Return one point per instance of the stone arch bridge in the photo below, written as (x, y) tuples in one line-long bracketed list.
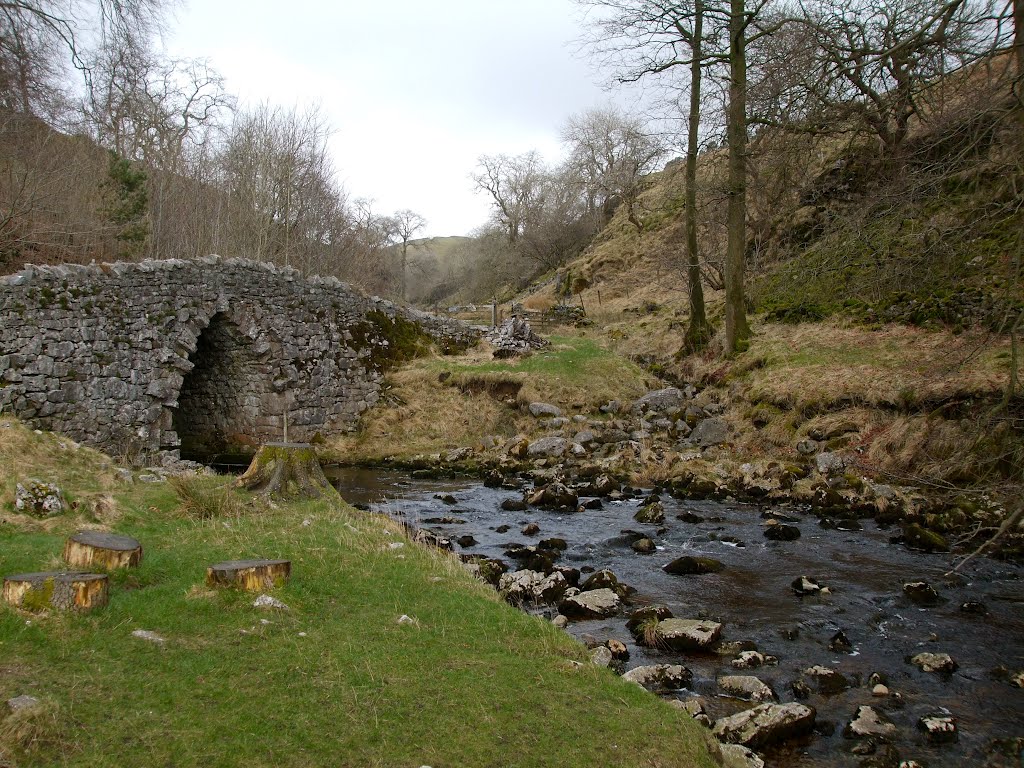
[(199, 356)]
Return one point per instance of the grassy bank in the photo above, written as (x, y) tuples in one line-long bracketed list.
[(336, 680), (472, 400)]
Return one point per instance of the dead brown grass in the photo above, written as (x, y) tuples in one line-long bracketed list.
[(30, 729), (424, 415), (85, 475)]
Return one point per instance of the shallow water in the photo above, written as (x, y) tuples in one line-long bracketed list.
[(753, 600)]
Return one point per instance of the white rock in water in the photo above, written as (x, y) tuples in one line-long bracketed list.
[(152, 637), (934, 662), (738, 756), (765, 724), (868, 722), (268, 602), (660, 677), (746, 687), (593, 604)]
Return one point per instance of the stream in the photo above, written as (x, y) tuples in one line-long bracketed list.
[(754, 601)]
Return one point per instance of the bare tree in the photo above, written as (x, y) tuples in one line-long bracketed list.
[(652, 39), (281, 184), (515, 185), (407, 224), (874, 61), (611, 153), (41, 40)]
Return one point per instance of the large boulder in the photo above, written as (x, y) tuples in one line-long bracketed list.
[(765, 724), (605, 579), (533, 587), (660, 401), (544, 409), (746, 687), (554, 496), (738, 756), (690, 565), (39, 498), (595, 604), (713, 431), (827, 681), (548, 447), (660, 677), (698, 635), (652, 514)]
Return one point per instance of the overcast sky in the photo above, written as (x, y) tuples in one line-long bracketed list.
[(415, 90)]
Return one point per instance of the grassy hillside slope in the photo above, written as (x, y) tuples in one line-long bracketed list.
[(881, 298), (335, 680)]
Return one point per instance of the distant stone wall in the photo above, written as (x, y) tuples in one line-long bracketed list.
[(137, 358)]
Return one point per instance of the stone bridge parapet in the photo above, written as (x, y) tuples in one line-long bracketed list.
[(205, 354)]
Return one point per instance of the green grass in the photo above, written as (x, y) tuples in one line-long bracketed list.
[(471, 682), (572, 368)]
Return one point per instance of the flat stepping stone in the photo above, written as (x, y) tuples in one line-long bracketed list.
[(252, 575), (57, 590), (98, 549)]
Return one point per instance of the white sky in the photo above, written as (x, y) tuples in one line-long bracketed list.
[(415, 91)]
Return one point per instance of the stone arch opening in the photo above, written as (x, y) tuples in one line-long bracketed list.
[(222, 397)]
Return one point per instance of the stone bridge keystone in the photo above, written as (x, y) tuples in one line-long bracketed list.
[(201, 356)]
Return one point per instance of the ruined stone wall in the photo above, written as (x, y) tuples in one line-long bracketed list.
[(105, 352)]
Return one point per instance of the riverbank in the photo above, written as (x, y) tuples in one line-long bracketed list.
[(891, 423), (339, 677), (795, 613)]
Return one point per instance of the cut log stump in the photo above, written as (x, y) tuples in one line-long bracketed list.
[(287, 470), (253, 575), (97, 549), (57, 590)]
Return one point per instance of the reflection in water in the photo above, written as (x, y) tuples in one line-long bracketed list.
[(753, 599)]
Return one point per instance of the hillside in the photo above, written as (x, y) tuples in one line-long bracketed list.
[(882, 297)]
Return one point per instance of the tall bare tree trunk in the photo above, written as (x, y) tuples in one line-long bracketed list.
[(736, 327), (1018, 36), (698, 332)]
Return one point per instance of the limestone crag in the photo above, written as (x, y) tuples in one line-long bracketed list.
[(136, 358)]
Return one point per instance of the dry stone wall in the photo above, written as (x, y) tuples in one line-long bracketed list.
[(139, 358)]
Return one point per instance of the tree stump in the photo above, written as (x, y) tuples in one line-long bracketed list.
[(59, 590), (287, 470), (96, 549), (252, 575)]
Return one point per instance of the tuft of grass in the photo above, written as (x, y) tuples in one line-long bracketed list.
[(30, 730), (201, 499)]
